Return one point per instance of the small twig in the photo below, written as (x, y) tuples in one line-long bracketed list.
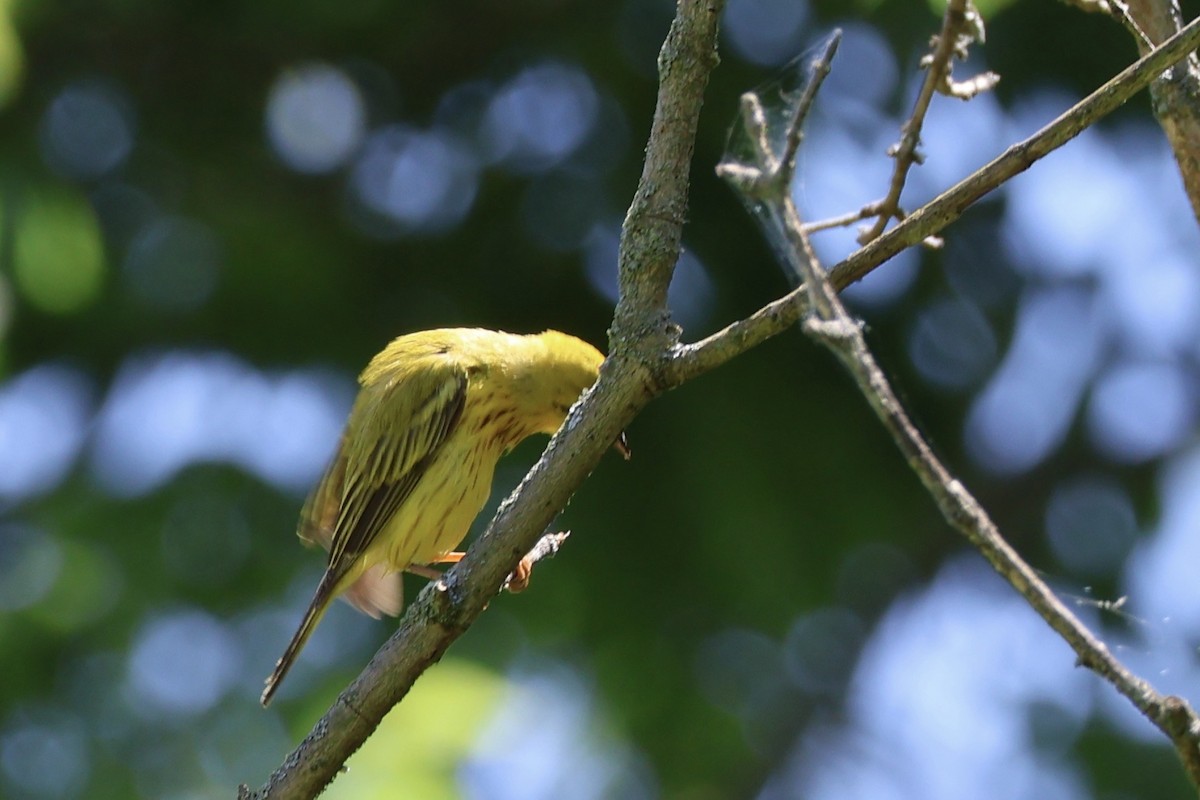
[(966, 90), (844, 221), (1120, 10), (766, 176), (956, 31), (1091, 6), (546, 547), (971, 31), (832, 326), (818, 70)]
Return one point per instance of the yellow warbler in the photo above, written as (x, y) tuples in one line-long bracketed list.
[(435, 412)]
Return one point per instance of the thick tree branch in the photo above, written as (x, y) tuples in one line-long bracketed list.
[(1175, 95), (445, 608), (653, 231), (694, 359)]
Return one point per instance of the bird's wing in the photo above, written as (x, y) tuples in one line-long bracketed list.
[(319, 514), (400, 430)]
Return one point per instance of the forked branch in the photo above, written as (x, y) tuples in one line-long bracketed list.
[(828, 322)]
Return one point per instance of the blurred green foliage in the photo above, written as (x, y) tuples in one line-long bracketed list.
[(761, 493)]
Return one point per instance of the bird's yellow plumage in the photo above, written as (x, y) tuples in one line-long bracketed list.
[(435, 412)]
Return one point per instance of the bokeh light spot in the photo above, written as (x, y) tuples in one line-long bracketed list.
[(31, 562), (540, 117), (166, 412), (1047, 237), (181, 664), (173, 264), (1011, 426), (956, 139), (43, 418), (735, 667), (1024, 412), (765, 32), (865, 72), (884, 286), (1156, 307), (820, 649), (88, 130), (1140, 411), (691, 294), (601, 248), (44, 755), (952, 345), (545, 743), (408, 181), (315, 118), (1090, 525), (1160, 574), (58, 257), (825, 189)]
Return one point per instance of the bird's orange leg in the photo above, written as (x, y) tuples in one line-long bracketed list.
[(427, 571), (519, 580)]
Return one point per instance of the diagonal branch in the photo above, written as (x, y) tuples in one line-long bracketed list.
[(652, 234), (829, 323), (446, 608)]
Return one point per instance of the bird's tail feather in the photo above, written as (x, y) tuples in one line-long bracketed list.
[(316, 610)]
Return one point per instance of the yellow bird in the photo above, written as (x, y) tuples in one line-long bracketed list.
[(435, 412)]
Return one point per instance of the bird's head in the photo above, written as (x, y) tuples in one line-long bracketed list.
[(562, 369)]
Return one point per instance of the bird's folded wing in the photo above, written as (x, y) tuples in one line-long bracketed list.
[(398, 431), (320, 511)]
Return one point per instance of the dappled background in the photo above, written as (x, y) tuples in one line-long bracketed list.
[(212, 215)]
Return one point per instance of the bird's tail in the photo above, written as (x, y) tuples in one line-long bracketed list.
[(316, 610)]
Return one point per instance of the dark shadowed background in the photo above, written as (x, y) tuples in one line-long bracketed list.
[(213, 214)]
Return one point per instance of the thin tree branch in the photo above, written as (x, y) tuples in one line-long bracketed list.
[(951, 41), (832, 326), (843, 221), (694, 359), (446, 608)]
